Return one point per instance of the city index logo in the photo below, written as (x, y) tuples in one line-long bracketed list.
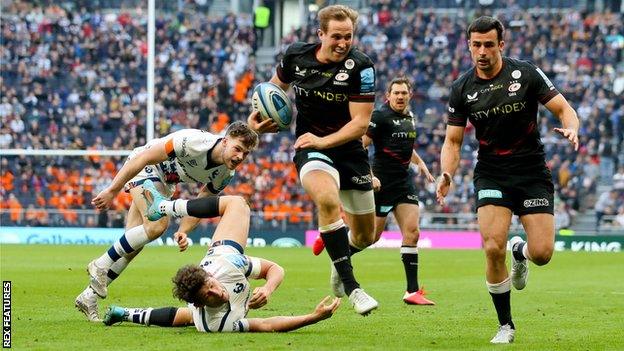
[(324, 95), (500, 110)]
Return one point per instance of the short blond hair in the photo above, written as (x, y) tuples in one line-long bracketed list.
[(336, 12)]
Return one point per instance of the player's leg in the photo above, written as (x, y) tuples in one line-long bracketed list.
[(359, 208), (131, 241), (86, 301), (408, 216), (163, 317), (494, 222), (535, 208), (234, 222)]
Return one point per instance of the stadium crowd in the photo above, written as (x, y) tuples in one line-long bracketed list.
[(75, 79)]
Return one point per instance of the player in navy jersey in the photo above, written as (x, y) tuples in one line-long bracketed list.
[(500, 97), (334, 85), (393, 130)]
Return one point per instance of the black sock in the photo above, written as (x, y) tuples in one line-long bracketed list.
[(337, 246), (354, 249), (410, 263), (205, 207), (516, 250), (502, 303), (163, 317)]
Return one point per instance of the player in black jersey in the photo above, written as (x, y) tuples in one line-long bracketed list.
[(334, 86), (393, 130), (500, 97)]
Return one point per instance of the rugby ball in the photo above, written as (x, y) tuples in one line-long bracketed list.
[(272, 102)]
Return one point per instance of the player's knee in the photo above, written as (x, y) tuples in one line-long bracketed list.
[(327, 202), (156, 229), (493, 249), (542, 256), (240, 205), (410, 236)]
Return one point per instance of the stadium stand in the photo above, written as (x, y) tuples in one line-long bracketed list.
[(74, 78)]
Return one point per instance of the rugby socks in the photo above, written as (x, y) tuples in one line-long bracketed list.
[(520, 251), (205, 207), (132, 240), (162, 317), (336, 242), (354, 249), (501, 296), (116, 268), (409, 256)]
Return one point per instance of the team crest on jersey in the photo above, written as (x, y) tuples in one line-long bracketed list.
[(514, 87), (472, 97), (341, 77), (516, 74), (349, 64)]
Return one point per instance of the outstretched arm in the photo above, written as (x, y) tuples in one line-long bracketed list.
[(560, 107), (284, 324), (150, 156)]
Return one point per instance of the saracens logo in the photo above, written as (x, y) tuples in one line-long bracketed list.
[(514, 87), (536, 203), (341, 77)]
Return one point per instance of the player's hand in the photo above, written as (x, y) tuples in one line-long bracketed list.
[(570, 134), (182, 239), (444, 183), (324, 311), (256, 123), (309, 141), (376, 184), (104, 199), (424, 170), (259, 298)]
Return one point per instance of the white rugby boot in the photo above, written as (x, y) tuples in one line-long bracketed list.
[(519, 268)]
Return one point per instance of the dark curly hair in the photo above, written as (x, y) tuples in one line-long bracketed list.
[(188, 281)]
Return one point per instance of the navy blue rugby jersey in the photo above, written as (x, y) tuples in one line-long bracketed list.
[(503, 111), (323, 90), (393, 134)]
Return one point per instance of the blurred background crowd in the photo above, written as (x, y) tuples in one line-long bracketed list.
[(74, 77)]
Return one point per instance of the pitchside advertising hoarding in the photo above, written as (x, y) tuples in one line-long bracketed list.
[(465, 240)]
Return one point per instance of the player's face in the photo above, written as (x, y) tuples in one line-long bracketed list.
[(336, 41), (212, 294), (234, 152), (399, 97), (485, 50)]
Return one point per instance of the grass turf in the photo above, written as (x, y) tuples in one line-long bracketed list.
[(574, 303)]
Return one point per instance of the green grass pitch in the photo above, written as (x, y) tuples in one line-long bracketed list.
[(574, 303)]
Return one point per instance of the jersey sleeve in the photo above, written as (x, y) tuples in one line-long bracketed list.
[(374, 125), (191, 144), (542, 86), (362, 84), (218, 184), (240, 326), (254, 267), (284, 69), (457, 113)]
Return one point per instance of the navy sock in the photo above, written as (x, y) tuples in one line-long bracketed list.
[(502, 303)]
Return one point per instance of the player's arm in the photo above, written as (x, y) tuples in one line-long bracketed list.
[(415, 159), (560, 107), (155, 154), (273, 273), (366, 142), (355, 129), (284, 323), (255, 120), (449, 159)]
